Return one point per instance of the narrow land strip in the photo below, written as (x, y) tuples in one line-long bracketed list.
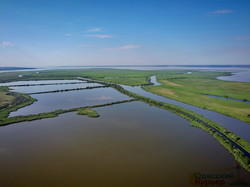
[(68, 90), (32, 117), (234, 144), (46, 84)]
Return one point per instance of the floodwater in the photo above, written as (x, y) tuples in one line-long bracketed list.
[(228, 98), (65, 100), (130, 144), (45, 88), (39, 82), (238, 127), (154, 81)]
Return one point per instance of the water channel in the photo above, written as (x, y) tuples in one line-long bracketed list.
[(73, 99), (238, 127), (39, 82), (46, 88), (227, 98), (130, 144)]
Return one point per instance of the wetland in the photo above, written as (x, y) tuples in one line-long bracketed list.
[(121, 140)]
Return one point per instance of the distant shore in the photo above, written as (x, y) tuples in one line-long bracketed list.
[(15, 68)]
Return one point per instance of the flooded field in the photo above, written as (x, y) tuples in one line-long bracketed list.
[(40, 82), (130, 144), (46, 88), (73, 99), (242, 129)]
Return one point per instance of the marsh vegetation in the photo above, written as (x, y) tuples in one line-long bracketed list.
[(178, 85)]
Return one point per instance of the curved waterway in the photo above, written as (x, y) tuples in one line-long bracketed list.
[(238, 127), (130, 144), (227, 98)]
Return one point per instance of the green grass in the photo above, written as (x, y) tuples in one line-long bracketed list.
[(12, 101), (88, 112), (188, 87), (5, 98), (191, 88), (4, 120), (131, 81), (11, 76), (17, 119), (238, 155), (119, 76), (198, 121)]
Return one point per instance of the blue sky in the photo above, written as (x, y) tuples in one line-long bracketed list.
[(124, 32)]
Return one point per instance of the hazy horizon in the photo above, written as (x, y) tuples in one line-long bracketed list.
[(113, 33)]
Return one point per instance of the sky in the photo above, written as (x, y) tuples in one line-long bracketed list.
[(39, 33)]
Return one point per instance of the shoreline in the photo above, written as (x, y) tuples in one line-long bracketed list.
[(224, 136)]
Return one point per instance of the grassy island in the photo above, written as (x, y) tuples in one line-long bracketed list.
[(186, 87), (12, 101), (237, 146), (88, 112), (81, 111)]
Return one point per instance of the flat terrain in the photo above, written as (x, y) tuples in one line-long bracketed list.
[(189, 88), (5, 99), (192, 88), (186, 87)]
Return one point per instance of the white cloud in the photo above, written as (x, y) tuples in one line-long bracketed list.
[(219, 12), (68, 34), (30, 47), (95, 29), (99, 36), (242, 38), (130, 47), (6, 44), (223, 11), (125, 47), (84, 45)]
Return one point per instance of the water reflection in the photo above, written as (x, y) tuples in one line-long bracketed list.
[(39, 82), (131, 144), (154, 81), (45, 88), (238, 127), (239, 76), (66, 100), (227, 98)]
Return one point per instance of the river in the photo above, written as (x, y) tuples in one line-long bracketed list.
[(238, 127), (130, 144)]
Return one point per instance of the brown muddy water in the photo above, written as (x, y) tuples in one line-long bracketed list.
[(73, 99), (130, 144)]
